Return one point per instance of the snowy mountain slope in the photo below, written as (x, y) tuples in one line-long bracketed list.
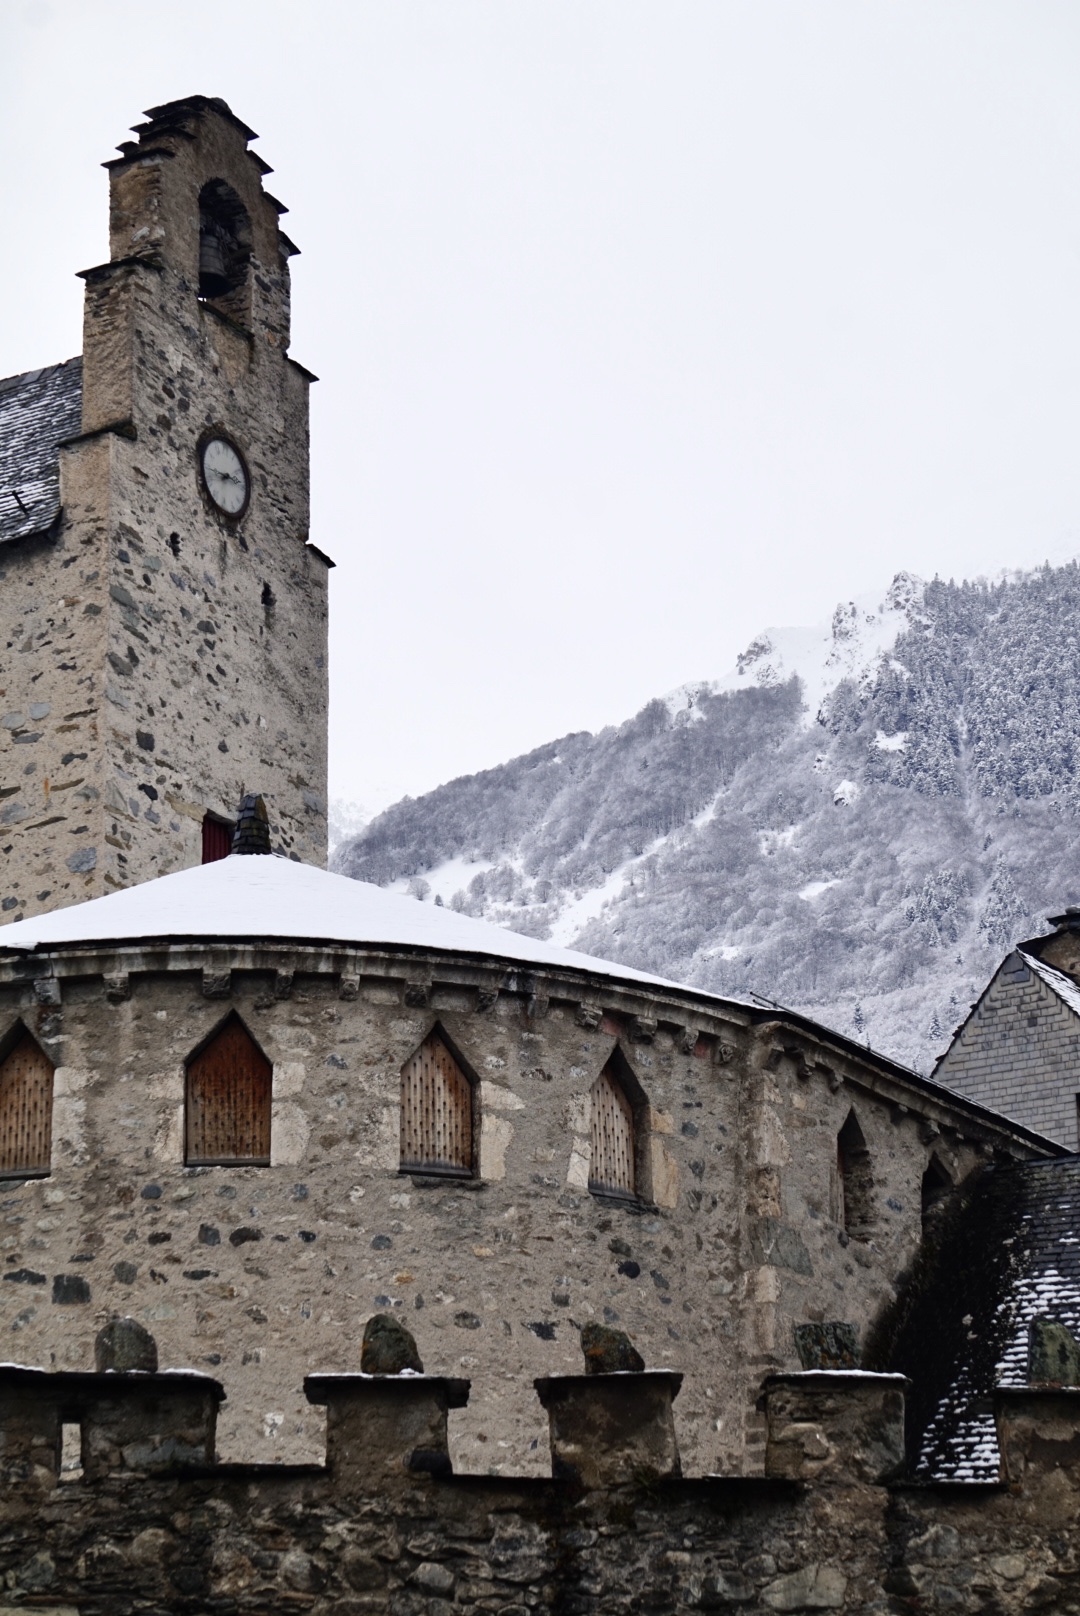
[(857, 821), (849, 646)]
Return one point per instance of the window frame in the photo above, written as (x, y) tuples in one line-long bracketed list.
[(191, 1160), (435, 1169), (625, 1079), (18, 1034), (854, 1168)]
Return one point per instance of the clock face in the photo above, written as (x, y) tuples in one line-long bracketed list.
[(225, 476)]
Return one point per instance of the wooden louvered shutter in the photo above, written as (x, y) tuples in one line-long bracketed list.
[(228, 1101), (611, 1167), (26, 1103), (436, 1112)]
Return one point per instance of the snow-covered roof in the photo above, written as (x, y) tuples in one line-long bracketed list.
[(279, 900), (1012, 1256), (37, 411), (270, 899), (1066, 989)]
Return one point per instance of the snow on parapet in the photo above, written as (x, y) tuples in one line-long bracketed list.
[(850, 646)]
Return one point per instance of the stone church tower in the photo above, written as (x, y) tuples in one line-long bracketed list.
[(162, 614)]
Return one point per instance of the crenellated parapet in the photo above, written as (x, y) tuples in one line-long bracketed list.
[(385, 1524)]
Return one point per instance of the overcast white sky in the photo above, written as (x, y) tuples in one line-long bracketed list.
[(640, 325)]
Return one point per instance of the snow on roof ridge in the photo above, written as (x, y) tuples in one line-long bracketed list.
[(1064, 986)]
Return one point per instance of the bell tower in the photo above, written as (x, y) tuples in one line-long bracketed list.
[(165, 628)]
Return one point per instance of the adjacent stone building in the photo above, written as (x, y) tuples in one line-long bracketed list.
[(1019, 1049), (162, 613)]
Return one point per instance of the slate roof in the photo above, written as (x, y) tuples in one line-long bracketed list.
[(37, 411), (1011, 1254)]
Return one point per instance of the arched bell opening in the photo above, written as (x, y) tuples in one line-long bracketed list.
[(937, 1186), (224, 249)]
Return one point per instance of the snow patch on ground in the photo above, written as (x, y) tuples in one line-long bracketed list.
[(814, 889), (891, 743), (845, 793), (443, 880), (687, 699), (771, 841), (579, 911)]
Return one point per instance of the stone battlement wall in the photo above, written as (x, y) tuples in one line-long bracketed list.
[(382, 1527)]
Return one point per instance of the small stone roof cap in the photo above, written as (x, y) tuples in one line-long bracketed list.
[(38, 410)]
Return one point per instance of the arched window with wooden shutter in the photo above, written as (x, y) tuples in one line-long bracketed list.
[(26, 1106), (613, 1156), (229, 1082), (437, 1104)]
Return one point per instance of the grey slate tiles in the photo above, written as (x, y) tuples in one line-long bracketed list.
[(37, 411), (1009, 1255)]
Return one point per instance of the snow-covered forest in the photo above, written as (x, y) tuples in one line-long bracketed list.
[(858, 822)]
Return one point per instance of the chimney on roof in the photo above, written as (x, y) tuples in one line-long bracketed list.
[(252, 833)]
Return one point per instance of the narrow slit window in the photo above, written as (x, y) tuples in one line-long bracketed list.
[(71, 1466), (936, 1189), (436, 1112), (855, 1180), (229, 1085), (612, 1157), (26, 1105), (217, 835)]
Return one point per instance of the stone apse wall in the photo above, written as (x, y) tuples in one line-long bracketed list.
[(162, 660), (256, 1273), (151, 1524)]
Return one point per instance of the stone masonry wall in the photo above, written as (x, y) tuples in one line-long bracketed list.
[(53, 617), (160, 660), (258, 1273), (835, 1536), (1019, 1053)]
